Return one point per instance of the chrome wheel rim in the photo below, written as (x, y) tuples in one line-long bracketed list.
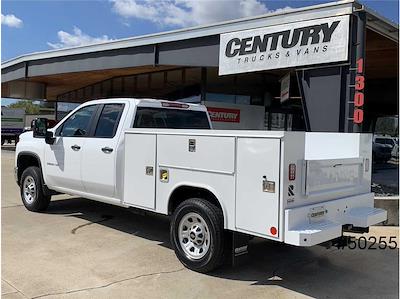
[(29, 189), (194, 236)]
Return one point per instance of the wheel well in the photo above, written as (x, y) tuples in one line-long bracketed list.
[(182, 193), (25, 161)]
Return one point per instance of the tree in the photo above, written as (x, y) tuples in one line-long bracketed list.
[(29, 106)]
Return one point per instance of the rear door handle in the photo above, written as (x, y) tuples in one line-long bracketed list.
[(76, 147), (107, 149)]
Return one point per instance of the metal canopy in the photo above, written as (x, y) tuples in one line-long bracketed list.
[(64, 70)]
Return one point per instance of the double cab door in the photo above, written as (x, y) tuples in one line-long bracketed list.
[(83, 156)]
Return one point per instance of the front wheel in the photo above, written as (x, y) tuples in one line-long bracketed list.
[(31, 189), (197, 234)]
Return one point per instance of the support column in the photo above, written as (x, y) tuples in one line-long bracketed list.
[(356, 96)]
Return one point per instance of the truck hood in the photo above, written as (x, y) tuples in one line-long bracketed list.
[(26, 135)]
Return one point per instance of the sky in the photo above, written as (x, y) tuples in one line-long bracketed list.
[(32, 26)]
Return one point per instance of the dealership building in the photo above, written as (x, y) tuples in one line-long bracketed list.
[(330, 67)]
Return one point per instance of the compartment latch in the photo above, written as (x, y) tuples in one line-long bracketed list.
[(268, 186)]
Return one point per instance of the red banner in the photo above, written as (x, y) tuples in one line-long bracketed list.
[(224, 114)]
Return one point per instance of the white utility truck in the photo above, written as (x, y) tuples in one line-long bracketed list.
[(294, 187)]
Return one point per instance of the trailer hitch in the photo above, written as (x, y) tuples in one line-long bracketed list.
[(340, 242), (355, 229), (344, 241)]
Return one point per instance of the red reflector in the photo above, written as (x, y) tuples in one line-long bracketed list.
[(174, 105), (292, 172), (273, 230)]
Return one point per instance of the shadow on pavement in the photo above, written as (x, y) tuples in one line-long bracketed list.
[(131, 221), (315, 271)]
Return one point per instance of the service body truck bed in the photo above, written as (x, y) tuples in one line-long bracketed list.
[(218, 186), (248, 172)]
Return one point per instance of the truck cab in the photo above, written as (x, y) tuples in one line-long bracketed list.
[(84, 155)]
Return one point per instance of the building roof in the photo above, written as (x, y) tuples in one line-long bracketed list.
[(375, 22)]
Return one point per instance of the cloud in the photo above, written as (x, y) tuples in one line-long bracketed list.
[(77, 38), (184, 13), (11, 21)]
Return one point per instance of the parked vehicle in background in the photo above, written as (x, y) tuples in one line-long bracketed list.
[(383, 147), (395, 150), (12, 124), (218, 186)]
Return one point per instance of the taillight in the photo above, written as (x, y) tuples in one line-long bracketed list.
[(174, 105), (292, 172)]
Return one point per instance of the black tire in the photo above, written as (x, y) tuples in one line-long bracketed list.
[(213, 217), (2, 141), (39, 201)]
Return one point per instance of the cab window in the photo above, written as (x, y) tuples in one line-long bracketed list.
[(78, 124), (108, 121), (148, 117)]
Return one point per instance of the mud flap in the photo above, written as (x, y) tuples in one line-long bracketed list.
[(236, 248)]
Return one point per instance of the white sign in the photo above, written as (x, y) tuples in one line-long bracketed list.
[(295, 44), (285, 86)]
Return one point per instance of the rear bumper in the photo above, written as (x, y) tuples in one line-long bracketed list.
[(314, 224)]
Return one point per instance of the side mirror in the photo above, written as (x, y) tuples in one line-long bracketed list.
[(39, 127)]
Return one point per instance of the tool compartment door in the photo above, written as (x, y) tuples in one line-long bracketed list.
[(139, 173), (257, 211)]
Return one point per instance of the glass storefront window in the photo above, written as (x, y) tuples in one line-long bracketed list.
[(106, 88), (142, 82), (129, 88), (193, 76), (284, 121), (174, 77), (157, 81), (117, 87), (97, 91), (242, 99), (220, 97)]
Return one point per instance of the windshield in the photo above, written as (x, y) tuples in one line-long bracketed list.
[(147, 117)]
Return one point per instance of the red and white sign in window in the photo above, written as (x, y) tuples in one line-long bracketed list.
[(224, 114)]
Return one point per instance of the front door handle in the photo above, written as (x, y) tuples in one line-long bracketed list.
[(107, 149), (76, 147)]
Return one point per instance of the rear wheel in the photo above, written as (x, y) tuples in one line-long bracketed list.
[(197, 234), (31, 189)]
